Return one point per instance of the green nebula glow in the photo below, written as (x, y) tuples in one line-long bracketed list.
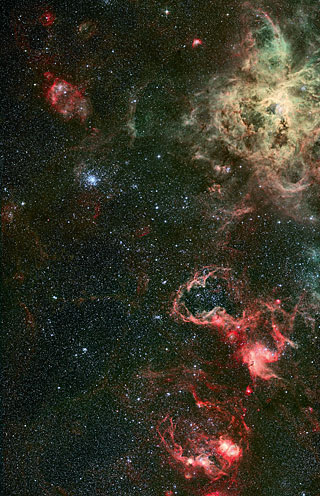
[(263, 116)]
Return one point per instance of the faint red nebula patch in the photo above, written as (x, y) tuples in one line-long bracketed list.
[(66, 99), (47, 18)]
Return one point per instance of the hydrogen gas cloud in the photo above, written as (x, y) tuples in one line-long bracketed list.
[(161, 251)]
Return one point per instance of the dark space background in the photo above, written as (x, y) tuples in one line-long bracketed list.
[(103, 219)]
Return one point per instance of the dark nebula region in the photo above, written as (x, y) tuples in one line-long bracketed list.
[(161, 248)]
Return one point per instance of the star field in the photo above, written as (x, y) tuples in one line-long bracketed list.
[(160, 246)]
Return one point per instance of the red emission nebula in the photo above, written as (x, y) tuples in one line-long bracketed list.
[(203, 431), (201, 427), (66, 99), (258, 335)]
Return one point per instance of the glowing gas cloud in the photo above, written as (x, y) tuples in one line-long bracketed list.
[(261, 120)]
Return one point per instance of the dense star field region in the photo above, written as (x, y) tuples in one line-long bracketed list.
[(161, 248)]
